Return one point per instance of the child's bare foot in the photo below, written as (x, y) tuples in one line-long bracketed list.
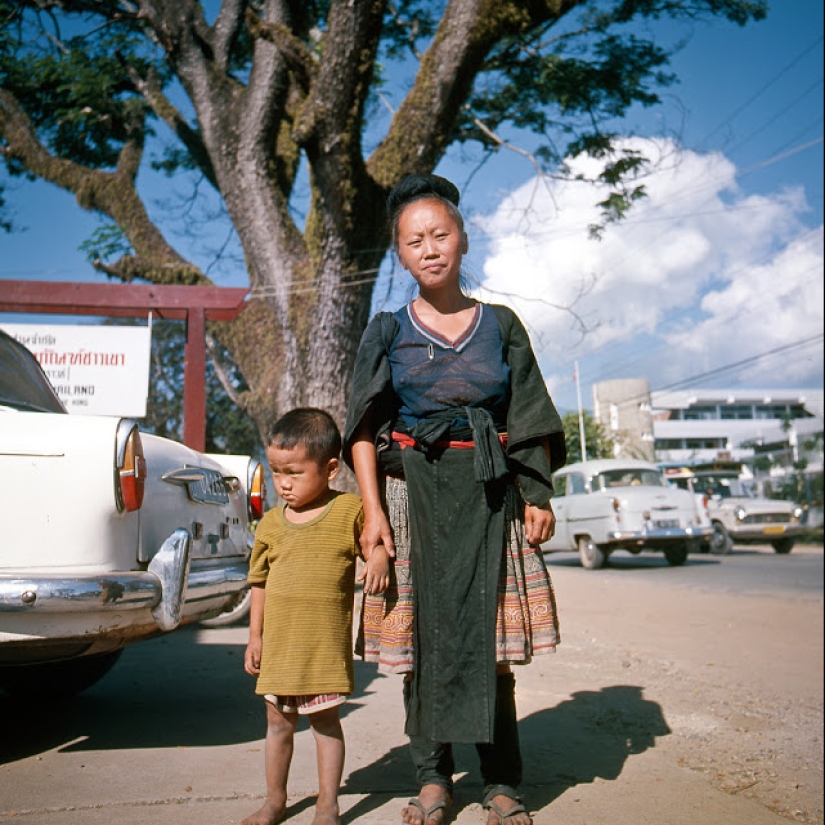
[(270, 813), (326, 816)]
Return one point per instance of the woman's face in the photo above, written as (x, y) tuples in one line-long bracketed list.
[(431, 244)]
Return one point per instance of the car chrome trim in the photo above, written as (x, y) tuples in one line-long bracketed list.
[(203, 485), (124, 429), (158, 589), (653, 534), (171, 565)]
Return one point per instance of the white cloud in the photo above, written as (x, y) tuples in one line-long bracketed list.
[(698, 276)]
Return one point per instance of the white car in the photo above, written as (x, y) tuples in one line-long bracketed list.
[(623, 504), (110, 535), (738, 515)]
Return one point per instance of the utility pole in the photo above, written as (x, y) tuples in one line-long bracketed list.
[(581, 415)]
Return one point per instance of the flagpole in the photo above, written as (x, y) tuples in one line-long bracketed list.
[(581, 416)]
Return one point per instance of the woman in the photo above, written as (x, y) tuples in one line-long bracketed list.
[(453, 439)]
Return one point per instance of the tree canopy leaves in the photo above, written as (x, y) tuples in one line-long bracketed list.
[(247, 93)]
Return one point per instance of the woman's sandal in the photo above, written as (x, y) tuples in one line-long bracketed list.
[(517, 808), (428, 812)]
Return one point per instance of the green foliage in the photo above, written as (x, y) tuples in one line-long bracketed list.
[(806, 488), (5, 223), (598, 443), (106, 242), (78, 93), (564, 81)]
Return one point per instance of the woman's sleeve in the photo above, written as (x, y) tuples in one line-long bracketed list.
[(371, 383), (532, 418)]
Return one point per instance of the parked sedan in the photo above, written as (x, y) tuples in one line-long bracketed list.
[(110, 535), (611, 504)]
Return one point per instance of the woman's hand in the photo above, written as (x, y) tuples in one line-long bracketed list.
[(376, 533), (539, 523), (376, 530)]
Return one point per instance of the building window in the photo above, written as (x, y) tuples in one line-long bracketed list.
[(737, 411), (772, 411), (704, 443), (700, 414)]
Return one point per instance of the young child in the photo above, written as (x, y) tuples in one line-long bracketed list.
[(302, 574)]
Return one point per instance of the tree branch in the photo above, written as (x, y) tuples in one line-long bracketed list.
[(225, 30), (111, 193), (229, 388), (331, 121), (169, 114), (298, 59), (468, 30)]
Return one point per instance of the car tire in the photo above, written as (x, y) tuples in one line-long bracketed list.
[(677, 555), (57, 679), (721, 543), (783, 546), (232, 615), (592, 556)]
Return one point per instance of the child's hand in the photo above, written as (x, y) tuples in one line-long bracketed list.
[(252, 657), (376, 571)]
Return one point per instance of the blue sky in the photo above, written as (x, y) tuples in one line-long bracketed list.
[(719, 271)]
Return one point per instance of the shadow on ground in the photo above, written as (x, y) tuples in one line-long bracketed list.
[(168, 692), (590, 735)]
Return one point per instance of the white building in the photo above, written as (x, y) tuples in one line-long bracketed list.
[(737, 424), (705, 424)]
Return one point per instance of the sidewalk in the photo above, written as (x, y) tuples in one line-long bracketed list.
[(610, 724)]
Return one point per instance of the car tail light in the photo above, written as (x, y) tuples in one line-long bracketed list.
[(616, 505), (256, 487), (130, 474)]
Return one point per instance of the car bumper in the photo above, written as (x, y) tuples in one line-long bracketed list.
[(765, 532), (657, 537), (167, 588)]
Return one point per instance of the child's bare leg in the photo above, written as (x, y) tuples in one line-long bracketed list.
[(280, 738), (329, 743)]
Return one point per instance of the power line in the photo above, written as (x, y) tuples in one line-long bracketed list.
[(693, 380), (753, 98)]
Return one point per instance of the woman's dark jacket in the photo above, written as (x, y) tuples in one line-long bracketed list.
[(457, 528)]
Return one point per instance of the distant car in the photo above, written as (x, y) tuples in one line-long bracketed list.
[(617, 504), (738, 515), (110, 535)]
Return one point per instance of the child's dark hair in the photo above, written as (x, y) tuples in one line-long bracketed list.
[(308, 427)]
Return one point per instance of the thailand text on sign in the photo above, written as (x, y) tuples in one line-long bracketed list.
[(96, 370)]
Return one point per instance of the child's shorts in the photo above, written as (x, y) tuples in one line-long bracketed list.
[(304, 705)]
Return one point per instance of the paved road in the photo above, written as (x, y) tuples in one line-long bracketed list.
[(747, 570), (668, 685)]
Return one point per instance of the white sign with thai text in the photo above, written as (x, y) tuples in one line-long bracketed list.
[(96, 370)]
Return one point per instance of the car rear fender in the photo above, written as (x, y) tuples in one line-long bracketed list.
[(57, 494), (189, 490)]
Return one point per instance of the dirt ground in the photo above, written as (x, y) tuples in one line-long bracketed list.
[(667, 703), (739, 680)]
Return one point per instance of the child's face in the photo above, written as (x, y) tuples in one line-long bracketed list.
[(300, 481)]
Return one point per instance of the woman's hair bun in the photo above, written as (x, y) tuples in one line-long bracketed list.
[(417, 186)]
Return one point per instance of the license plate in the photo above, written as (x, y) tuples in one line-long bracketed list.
[(666, 524), (774, 528)]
